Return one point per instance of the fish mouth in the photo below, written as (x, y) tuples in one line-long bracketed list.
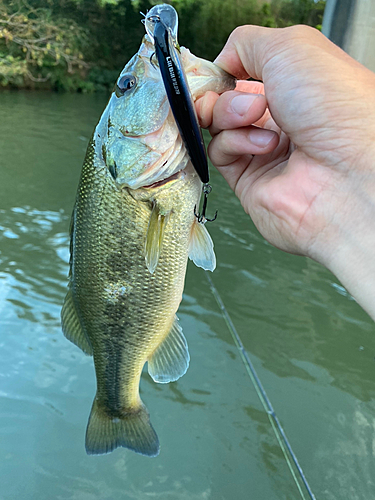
[(158, 184)]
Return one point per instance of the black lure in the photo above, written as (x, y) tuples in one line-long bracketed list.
[(182, 106)]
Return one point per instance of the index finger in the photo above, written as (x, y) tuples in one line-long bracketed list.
[(206, 104)]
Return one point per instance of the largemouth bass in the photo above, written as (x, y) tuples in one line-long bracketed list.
[(132, 231)]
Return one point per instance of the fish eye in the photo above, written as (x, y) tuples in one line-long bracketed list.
[(125, 83)]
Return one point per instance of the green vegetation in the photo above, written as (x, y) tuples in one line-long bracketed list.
[(83, 44)]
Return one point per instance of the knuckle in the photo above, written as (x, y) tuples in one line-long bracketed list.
[(241, 32), (238, 32), (300, 31)]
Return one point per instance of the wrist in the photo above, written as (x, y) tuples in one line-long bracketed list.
[(354, 265), (347, 248)]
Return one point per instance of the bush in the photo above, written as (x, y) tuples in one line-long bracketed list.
[(35, 45), (83, 44)]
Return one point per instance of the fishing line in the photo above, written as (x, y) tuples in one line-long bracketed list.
[(281, 437)]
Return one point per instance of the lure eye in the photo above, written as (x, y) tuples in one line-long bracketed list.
[(125, 83)]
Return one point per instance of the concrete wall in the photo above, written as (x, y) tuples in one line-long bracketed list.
[(351, 25)]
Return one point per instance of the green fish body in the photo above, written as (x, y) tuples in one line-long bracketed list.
[(133, 229)]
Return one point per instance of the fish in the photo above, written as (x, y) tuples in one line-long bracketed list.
[(132, 231)]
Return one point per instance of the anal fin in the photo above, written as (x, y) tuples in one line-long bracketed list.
[(171, 359), (201, 247), (72, 327)]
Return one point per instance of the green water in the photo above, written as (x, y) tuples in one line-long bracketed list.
[(312, 345)]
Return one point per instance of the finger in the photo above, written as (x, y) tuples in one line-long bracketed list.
[(229, 145), (204, 108), (250, 49), (250, 87), (235, 109), (204, 105), (242, 56), (236, 170), (247, 169), (253, 87)]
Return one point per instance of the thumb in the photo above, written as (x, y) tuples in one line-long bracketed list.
[(257, 52), (243, 56)]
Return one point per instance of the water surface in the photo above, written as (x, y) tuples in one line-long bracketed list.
[(312, 345)]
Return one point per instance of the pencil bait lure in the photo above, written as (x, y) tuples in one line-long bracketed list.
[(161, 24)]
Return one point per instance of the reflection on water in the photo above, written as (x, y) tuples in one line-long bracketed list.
[(311, 344)]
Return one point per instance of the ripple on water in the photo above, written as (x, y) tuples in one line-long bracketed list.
[(34, 262)]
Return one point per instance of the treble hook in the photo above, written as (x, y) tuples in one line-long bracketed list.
[(202, 219)]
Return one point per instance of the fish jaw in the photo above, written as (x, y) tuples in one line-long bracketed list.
[(204, 76)]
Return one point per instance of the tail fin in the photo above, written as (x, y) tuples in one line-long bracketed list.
[(133, 431)]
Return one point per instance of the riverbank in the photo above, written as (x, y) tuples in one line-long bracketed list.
[(82, 46)]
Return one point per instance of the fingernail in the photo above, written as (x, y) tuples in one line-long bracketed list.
[(242, 103), (260, 137)]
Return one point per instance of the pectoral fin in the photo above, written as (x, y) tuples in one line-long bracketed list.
[(154, 237), (201, 248), (72, 327), (171, 359)]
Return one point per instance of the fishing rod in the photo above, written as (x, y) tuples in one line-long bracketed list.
[(280, 434)]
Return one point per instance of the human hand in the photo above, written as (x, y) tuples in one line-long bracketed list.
[(300, 158)]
